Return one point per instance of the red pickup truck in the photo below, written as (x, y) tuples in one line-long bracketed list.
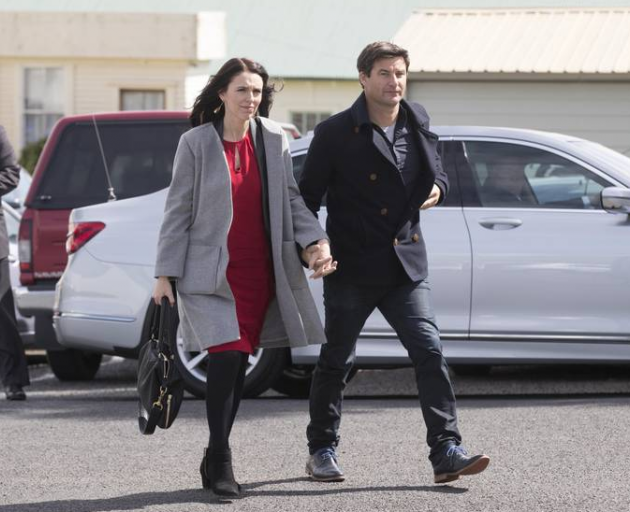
[(87, 159)]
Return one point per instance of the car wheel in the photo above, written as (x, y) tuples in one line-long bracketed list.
[(263, 368), (295, 381), (74, 365), (471, 370)]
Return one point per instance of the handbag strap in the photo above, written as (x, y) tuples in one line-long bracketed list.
[(162, 316)]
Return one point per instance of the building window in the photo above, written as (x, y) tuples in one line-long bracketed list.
[(43, 101), (306, 121), (142, 100)]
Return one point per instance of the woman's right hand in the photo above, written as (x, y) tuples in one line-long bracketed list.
[(163, 288)]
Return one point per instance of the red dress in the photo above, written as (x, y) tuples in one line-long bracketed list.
[(249, 270)]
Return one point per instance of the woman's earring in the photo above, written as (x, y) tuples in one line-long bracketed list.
[(216, 110)]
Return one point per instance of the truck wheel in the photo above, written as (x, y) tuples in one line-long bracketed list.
[(74, 365), (264, 367)]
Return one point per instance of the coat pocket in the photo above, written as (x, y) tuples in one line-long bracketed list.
[(200, 270), (292, 266)]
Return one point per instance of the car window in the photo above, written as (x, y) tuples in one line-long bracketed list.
[(139, 156), (298, 167), (516, 176), (453, 198)]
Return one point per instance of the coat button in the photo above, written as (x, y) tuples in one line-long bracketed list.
[(373, 176), (383, 211), (415, 237), (396, 241)]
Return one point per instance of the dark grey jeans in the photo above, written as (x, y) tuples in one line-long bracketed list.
[(408, 310)]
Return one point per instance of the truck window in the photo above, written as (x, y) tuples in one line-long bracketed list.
[(139, 155)]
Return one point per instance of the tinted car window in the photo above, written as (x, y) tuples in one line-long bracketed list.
[(139, 156), (453, 198), (516, 176), (298, 167)]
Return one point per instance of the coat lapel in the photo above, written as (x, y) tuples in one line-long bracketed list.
[(256, 129), (272, 148), (427, 146)]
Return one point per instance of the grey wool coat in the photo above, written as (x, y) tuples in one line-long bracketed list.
[(192, 245)]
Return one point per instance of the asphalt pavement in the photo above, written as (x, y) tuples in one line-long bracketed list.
[(558, 440)]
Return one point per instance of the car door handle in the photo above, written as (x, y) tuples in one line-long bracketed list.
[(500, 223)]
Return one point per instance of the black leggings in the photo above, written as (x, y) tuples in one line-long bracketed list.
[(224, 388)]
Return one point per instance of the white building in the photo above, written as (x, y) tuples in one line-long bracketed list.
[(61, 63)]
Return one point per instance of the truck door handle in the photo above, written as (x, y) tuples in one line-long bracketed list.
[(500, 223)]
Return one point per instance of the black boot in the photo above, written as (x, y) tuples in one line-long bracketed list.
[(219, 475)]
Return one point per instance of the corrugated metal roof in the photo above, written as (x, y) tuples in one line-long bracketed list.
[(581, 41)]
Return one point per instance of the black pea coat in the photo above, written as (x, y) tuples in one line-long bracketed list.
[(373, 221)]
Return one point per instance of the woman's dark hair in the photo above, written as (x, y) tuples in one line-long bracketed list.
[(208, 106), (380, 50)]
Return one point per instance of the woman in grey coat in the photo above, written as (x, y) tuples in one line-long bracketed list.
[(234, 230)]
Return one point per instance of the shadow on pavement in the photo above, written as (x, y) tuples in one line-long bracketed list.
[(330, 490), (148, 499)]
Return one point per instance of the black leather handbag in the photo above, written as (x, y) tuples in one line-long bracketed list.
[(160, 384)]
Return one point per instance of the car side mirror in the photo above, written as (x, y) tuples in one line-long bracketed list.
[(616, 200)]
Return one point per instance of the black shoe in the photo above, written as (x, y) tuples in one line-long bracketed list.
[(455, 463), (217, 474), (15, 392)]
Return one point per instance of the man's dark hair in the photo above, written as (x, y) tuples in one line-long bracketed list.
[(380, 50)]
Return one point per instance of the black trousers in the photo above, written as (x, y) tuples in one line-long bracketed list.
[(408, 309), (13, 366)]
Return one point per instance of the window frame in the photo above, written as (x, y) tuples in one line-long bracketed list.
[(319, 113), (65, 79), (123, 90)]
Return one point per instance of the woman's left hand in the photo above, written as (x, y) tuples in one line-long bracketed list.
[(319, 259)]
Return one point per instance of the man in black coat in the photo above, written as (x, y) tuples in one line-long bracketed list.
[(13, 366), (378, 166)]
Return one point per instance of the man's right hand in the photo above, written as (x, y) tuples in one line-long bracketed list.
[(163, 288)]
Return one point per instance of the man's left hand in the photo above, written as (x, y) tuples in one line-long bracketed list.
[(433, 198)]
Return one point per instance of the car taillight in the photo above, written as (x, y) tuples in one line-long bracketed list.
[(79, 234), (25, 249)]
